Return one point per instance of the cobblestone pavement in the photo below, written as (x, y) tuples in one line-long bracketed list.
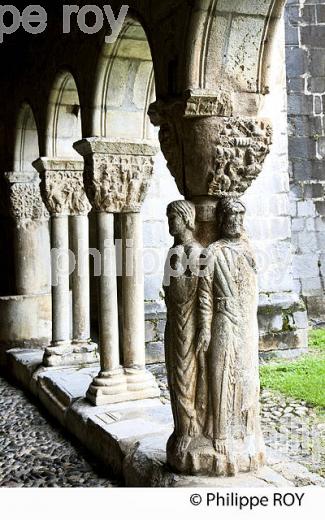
[(290, 426), (33, 453)]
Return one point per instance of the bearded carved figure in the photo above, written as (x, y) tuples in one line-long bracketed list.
[(212, 354)]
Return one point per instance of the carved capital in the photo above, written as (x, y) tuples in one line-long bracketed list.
[(117, 173), (62, 186), (208, 151), (200, 103), (25, 201), (241, 146)]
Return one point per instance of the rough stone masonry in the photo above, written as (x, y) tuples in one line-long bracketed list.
[(305, 56)]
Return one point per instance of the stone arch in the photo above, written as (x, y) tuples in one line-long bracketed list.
[(26, 146), (266, 50), (125, 86), (64, 125), (230, 44)]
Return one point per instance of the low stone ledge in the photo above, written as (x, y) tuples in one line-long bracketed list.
[(25, 321), (130, 438)]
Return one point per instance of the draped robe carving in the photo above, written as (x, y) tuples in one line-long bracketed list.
[(211, 346)]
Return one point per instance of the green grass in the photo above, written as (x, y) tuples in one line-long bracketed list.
[(302, 379), (317, 340)]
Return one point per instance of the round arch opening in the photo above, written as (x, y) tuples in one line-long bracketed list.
[(26, 141), (64, 120)]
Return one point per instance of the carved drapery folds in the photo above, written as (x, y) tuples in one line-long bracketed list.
[(117, 174), (209, 151), (211, 339), (211, 346), (25, 201), (62, 187)]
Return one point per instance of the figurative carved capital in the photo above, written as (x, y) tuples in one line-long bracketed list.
[(117, 174), (208, 151), (241, 146), (62, 187)]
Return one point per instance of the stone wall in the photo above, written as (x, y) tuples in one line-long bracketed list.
[(305, 51), (156, 241)]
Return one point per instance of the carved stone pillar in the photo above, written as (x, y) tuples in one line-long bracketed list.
[(32, 247), (117, 177), (211, 339), (65, 198)]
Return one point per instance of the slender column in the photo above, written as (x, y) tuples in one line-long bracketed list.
[(108, 308), (60, 281), (64, 195), (80, 279), (133, 292), (31, 241), (117, 176)]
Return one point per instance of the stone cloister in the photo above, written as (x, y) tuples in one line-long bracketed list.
[(97, 141)]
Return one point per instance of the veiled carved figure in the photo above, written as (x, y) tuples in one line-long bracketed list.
[(223, 394), (181, 283)]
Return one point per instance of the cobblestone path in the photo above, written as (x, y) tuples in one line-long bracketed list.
[(34, 453), (290, 426)]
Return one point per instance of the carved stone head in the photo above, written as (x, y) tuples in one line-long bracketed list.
[(181, 218), (232, 218)]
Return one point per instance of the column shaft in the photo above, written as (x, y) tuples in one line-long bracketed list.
[(133, 292), (32, 258), (80, 278), (60, 279), (108, 309)]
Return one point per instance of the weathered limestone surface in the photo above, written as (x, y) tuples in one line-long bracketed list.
[(306, 86), (217, 50), (211, 347), (64, 195), (25, 321), (117, 177), (32, 244), (212, 75), (211, 338)]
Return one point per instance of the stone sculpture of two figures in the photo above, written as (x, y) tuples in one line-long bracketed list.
[(211, 346)]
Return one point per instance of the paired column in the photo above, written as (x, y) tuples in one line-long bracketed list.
[(63, 192), (211, 340), (32, 244), (117, 177)]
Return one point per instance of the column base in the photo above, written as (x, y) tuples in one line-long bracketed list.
[(121, 386), (201, 456), (71, 354)]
